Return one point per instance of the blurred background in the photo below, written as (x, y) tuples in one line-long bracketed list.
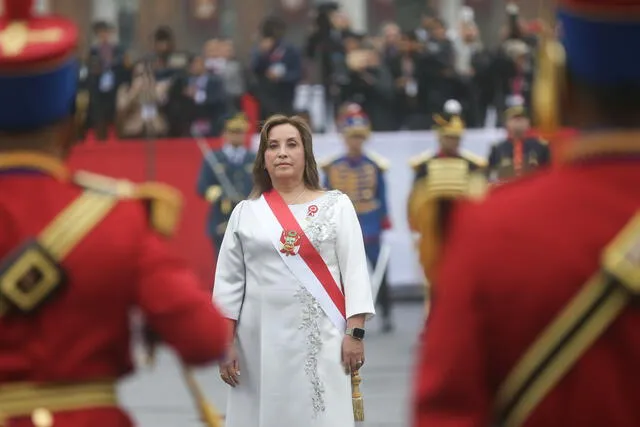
[(160, 73), (400, 59)]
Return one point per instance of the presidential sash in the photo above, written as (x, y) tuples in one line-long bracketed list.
[(301, 257)]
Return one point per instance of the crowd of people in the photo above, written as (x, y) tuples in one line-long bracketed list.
[(401, 78), (534, 316)]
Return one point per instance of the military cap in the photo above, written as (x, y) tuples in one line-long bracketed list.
[(515, 108), (38, 68), (449, 123), (236, 123), (355, 123), (597, 35)]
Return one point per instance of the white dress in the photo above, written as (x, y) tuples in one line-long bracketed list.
[(289, 351)]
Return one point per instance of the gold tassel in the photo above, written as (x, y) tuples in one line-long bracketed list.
[(356, 397), (430, 237), (208, 414)]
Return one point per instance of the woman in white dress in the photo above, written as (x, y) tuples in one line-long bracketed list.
[(292, 279)]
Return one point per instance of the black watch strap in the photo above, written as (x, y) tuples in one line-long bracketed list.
[(357, 333)]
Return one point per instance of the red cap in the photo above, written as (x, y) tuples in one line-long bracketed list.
[(29, 41)]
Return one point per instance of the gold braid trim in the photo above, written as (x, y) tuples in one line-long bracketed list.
[(448, 180), (164, 201)]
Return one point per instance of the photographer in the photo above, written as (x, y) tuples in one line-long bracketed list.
[(137, 104), (370, 85), (514, 62), (325, 48), (277, 67), (105, 73), (439, 65)]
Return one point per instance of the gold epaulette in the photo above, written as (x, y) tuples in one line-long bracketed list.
[(326, 162), (165, 205), (120, 188), (164, 201), (380, 161), (472, 157), (419, 159)]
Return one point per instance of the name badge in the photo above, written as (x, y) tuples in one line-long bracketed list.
[(278, 69), (411, 88), (107, 81), (149, 112), (200, 97)]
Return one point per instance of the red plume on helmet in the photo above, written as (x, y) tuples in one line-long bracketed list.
[(18, 10)]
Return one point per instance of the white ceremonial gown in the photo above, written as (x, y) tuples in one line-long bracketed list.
[(289, 350)]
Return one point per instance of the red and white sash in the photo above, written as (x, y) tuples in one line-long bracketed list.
[(301, 257)]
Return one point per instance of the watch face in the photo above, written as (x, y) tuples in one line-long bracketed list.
[(358, 333)]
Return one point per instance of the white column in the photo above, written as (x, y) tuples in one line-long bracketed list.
[(106, 10), (450, 12), (356, 10)]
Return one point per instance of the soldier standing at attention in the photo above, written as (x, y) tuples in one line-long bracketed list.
[(360, 175), (77, 250), (226, 177), (535, 320), (462, 171), (519, 153)]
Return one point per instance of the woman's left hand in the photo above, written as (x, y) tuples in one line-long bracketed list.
[(352, 354)]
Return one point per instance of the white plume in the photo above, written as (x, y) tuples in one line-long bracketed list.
[(453, 107)]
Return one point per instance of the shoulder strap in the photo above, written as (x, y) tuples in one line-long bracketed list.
[(77, 220), (38, 262), (574, 330)]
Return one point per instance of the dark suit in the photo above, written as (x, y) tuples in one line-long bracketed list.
[(504, 164)]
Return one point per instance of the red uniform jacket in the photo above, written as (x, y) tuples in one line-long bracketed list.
[(510, 265), (83, 333)]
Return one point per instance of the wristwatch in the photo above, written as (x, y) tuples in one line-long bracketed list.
[(357, 333)]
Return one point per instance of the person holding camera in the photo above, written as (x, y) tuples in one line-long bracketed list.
[(277, 67), (137, 104)]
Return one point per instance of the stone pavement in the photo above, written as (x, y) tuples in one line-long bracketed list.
[(159, 397)]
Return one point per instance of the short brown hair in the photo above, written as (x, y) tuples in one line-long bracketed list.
[(261, 179)]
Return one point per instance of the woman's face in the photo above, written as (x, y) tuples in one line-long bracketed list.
[(284, 155)]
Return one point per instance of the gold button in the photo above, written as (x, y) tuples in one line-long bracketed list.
[(42, 417)]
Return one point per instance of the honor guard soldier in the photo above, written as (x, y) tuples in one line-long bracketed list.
[(450, 128), (535, 316), (77, 250), (361, 176), (520, 153), (439, 179), (226, 177)]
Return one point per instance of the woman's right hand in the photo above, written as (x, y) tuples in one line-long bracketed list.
[(230, 368)]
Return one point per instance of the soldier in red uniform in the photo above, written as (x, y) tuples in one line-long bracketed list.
[(532, 322), (77, 251)]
